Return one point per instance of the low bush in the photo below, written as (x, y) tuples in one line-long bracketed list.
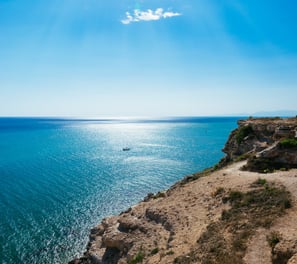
[(243, 132), (171, 252), (260, 182), (154, 251), (288, 143), (138, 258), (273, 238)]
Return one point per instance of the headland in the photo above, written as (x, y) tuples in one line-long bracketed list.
[(242, 210)]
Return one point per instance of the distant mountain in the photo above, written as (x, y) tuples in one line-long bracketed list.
[(281, 113)]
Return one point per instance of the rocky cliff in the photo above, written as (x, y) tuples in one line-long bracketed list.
[(267, 143), (230, 216)]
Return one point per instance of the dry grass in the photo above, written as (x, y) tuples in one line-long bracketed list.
[(225, 241)]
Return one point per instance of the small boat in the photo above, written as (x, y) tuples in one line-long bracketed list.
[(126, 149)]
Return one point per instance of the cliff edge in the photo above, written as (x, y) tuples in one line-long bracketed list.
[(243, 210), (268, 143)]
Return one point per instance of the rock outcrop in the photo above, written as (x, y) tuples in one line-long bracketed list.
[(267, 143), (195, 220)]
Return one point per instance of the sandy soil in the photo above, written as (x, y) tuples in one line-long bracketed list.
[(195, 203)]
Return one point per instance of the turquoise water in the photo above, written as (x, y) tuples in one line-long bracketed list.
[(58, 178)]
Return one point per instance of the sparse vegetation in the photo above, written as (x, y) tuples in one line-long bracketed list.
[(235, 195), (171, 252), (197, 175), (225, 241), (138, 258), (243, 132), (273, 238), (219, 191), (155, 251), (265, 165), (159, 195), (216, 167), (244, 156), (288, 143), (260, 181)]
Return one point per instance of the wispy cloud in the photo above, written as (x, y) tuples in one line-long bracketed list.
[(148, 15)]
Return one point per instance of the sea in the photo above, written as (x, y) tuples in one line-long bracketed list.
[(60, 177)]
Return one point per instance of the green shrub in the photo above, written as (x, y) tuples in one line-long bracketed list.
[(244, 156), (171, 252), (159, 195), (138, 258), (288, 143), (243, 132), (273, 238), (216, 167), (235, 195), (155, 251), (260, 181)]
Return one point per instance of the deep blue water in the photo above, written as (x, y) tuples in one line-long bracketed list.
[(58, 178)]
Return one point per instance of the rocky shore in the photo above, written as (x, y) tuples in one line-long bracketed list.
[(243, 210)]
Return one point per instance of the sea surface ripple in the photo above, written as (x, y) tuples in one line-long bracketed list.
[(59, 177)]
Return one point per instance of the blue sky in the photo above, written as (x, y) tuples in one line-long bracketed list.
[(147, 58)]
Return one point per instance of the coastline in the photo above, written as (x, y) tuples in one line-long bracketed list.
[(79, 173), (168, 227)]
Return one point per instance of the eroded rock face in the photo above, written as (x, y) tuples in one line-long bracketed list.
[(279, 154), (285, 252), (120, 238), (260, 140)]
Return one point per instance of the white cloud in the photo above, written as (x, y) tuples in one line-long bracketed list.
[(147, 15)]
